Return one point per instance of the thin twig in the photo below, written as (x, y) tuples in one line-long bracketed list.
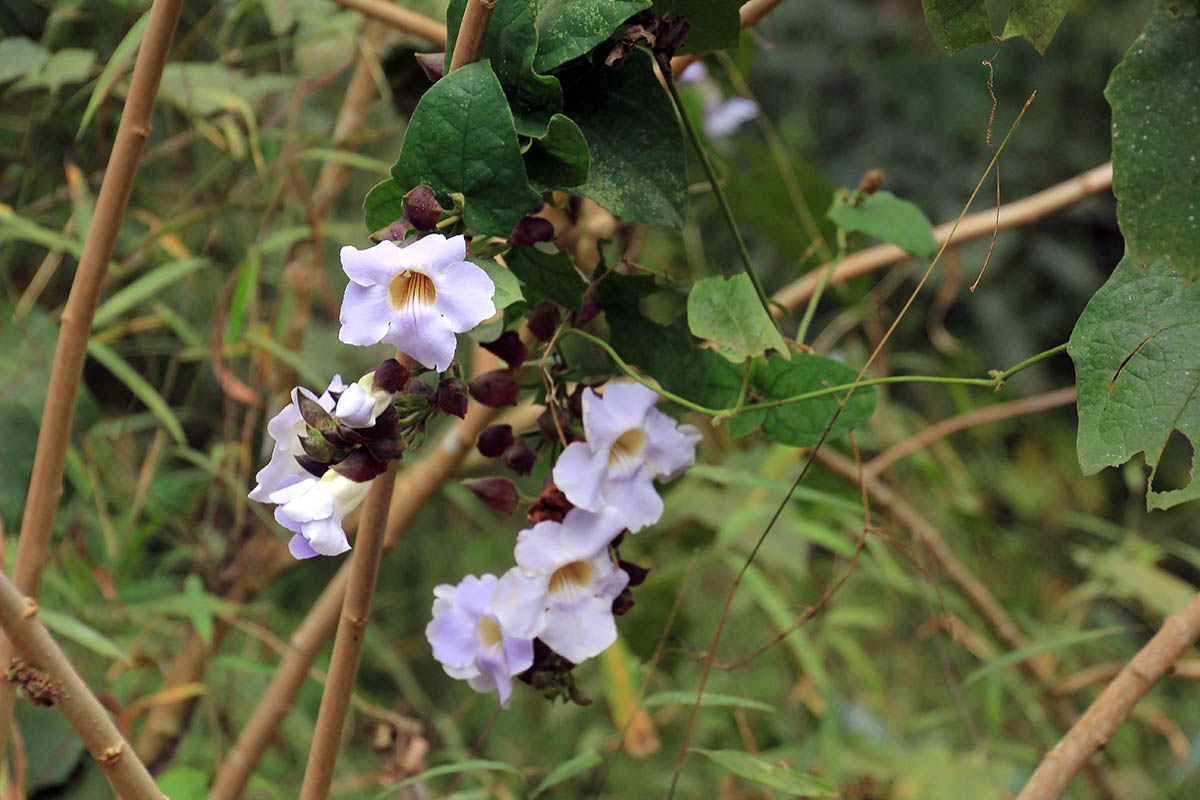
[(750, 14), (472, 33), (351, 632), (1092, 731), (45, 485), (400, 18), (1012, 215), (1184, 668), (61, 685)]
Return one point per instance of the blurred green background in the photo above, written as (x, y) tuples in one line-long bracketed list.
[(897, 690)]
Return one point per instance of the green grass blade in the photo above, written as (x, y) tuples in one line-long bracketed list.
[(145, 287), (140, 387), (109, 74)]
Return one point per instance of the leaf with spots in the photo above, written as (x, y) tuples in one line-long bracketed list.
[(1155, 97), (558, 160), (569, 28), (547, 274), (728, 312), (1137, 371), (461, 139)]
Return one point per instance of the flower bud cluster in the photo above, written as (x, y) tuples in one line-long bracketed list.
[(557, 606)]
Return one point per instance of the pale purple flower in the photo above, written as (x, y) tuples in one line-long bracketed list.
[(415, 297), (629, 444), (314, 508), (361, 403), (564, 584), (286, 428), (721, 116), (470, 642)]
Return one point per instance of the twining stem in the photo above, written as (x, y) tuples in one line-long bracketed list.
[(348, 644), (58, 414), (34, 644), (726, 212), (831, 268)]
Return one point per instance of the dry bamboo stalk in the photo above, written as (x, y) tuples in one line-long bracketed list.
[(472, 33), (401, 19)]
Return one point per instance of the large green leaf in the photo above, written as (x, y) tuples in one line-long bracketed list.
[(461, 139), (511, 45), (558, 160), (638, 168), (887, 217), (956, 24), (1154, 93), (1036, 20), (762, 771), (1137, 371), (569, 28), (728, 312), (801, 423), (384, 204), (715, 23), (547, 274), (19, 56)]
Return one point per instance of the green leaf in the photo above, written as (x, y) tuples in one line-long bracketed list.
[(144, 288), (956, 24), (728, 312), (547, 274), (716, 24), (887, 217), (383, 204), (69, 65), (52, 748), (183, 783), (1137, 371), (70, 628), (567, 770), (1036, 20), (801, 424), (1058, 643), (20, 56), (128, 44), (461, 139), (638, 168), (1154, 93), (508, 288), (708, 699), (140, 387), (764, 772), (450, 769), (569, 28), (511, 45), (558, 160)]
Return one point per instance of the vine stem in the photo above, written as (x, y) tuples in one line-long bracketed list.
[(348, 643), (826, 275), (58, 414), (125, 772), (400, 18), (723, 203), (1092, 731), (472, 33)]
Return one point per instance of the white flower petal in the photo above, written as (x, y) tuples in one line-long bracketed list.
[(375, 266), (300, 549), (464, 294), (520, 604), (722, 119), (629, 403), (582, 632), (424, 334), (432, 249), (600, 424), (579, 474), (636, 500), (326, 537), (365, 315), (670, 448), (355, 407)]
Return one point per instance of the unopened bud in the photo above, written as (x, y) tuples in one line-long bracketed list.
[(551, 504), (532, 230), (451, 397), (390, 376), (520, 458), (360, 466), (494, 440), (575, 401), (543, 320), (388, 449), (319, 448), (509, 348), (312, 466), (872, 181), (312, 412), (637, 575), (495, 389), (396, 232), (622, 603), (497, 493), (419, 389), (422, 208), (432, 64)]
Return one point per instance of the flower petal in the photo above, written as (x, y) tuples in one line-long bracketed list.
[(582, 632), (424, 334), (520, 604), (431, 250), (670, 448), (464, 294), (629, 403), (365, 315), (579, 474), (300, 548), (326, 537), (375, 266), (452, 637), (636, 499)]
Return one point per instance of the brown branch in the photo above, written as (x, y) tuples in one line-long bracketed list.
[(971, 419), (57, 683), (472, 33), (1011, 215), (1097, 724), (45, 485), (401, 19), (351, 632), (415, 489), (1186, 668)]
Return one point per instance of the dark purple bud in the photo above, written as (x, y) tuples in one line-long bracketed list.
[(622, 603), (334, 437), (497, 493), (586, 314), (637, 575), (360, 466), (495, 389), (313, 414), (391, 376), (420, 389), (422, 208), (432, 64), (616, 542), (451, 397), (509, 348), (388, 449), (312, 466), (318, 447), (387, 425), (551, 504), (354, 435), (532, 230), (575, 401), (671, 36), (546, 425), (520, 458), (543, 320), (493, 441), (396, 232)]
